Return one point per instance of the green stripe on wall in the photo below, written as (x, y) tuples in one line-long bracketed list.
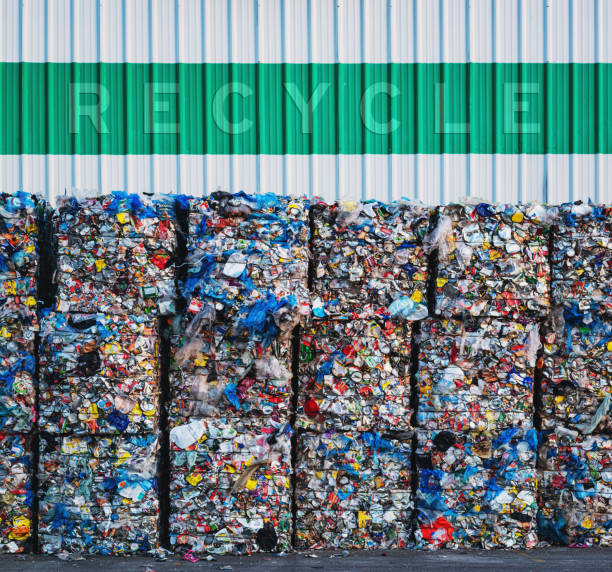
[(250, 108)]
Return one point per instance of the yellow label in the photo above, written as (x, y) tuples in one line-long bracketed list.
[(416, 297), (251, 484), (30, 301), (362, 518), (517, 217), (441, 281), (100, 264), (609, 346), (123, 218), (194, 479), (229, 469), (20, 529)]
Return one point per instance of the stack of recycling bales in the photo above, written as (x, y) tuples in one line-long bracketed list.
[(575, 457), (476, 442), (100, 374), (231, 390), (20, 220), (354, 445)]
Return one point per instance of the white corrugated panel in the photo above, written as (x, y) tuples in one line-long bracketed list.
[(321, 31)]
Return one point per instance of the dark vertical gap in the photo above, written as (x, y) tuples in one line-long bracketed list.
[(432, 264), (296, 343), (414, 404), (311, 250), (164, 441), (167, 329), (295, 368), (35, 459), (45, 298)]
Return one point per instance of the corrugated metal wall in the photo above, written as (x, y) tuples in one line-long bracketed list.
[(419, 46)]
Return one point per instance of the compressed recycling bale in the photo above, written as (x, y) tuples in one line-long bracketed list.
[(115, 255), (248, 259), (353, 490), (369, 260), (492, 260), (16, 492), (575, 493), (476, 375), (18, 328), (99, 373), (98, 495), (577, 370), (582, 256), (230, 486), (476, 490), (20, 216), (355, 375)]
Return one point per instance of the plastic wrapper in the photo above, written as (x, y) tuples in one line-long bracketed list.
[(577, 371), (98, 495), (99, 373), (230, 487), (355, 376), (575, 493), (477, 490), (492, 260), (116, 255), (230, 378), (353, 490), (369, 260), (582, 256), (476, 375), (16, 492)]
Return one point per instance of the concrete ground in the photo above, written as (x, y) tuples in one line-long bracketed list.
[(550, 559)]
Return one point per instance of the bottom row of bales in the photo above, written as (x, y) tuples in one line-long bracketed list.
[(485, 478)]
